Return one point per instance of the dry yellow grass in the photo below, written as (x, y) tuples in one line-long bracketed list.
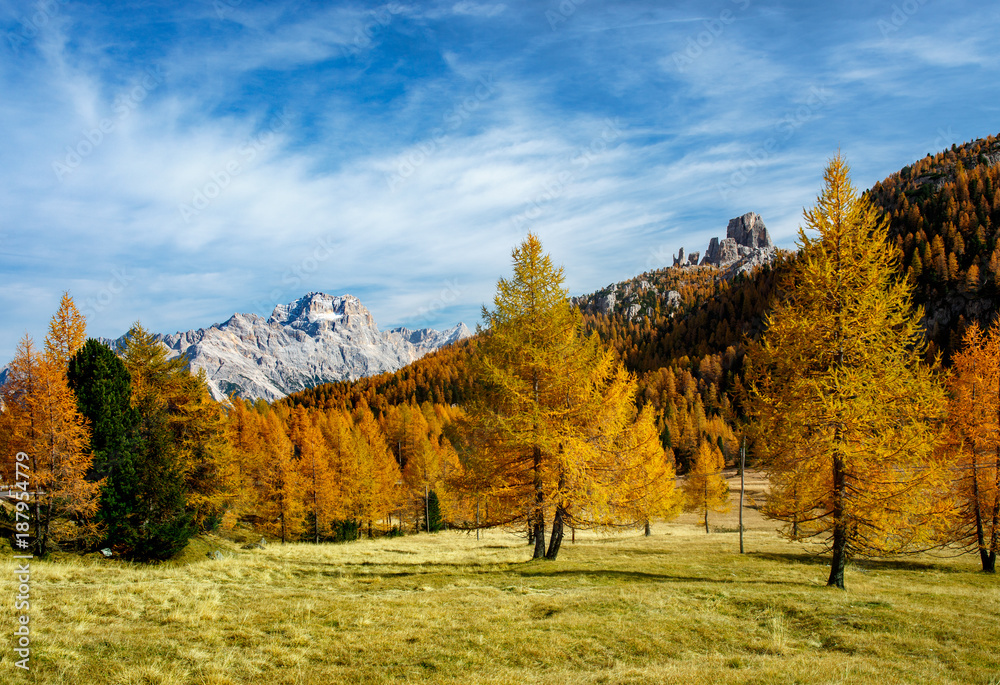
[(678, 607)]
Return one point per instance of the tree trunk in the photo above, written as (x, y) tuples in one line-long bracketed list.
[(555, 540), (706, 521), (647, 531), (743, 460), (984, 552), (990, 561), (839, 561), (539, 513), (315, 504), (990, 567)]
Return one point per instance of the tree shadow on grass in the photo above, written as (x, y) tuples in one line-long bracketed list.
[(862, 565), (642, 576), (804, 558)]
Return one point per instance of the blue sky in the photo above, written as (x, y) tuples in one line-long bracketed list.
[(179, 162)]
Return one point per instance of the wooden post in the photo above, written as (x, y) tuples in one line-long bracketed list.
[(743, 463)]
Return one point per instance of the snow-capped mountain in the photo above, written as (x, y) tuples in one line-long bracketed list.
[(316, 339)]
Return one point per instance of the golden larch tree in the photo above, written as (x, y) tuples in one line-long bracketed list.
[(705, 488), (974, 442), (40, 418), (845, 414), (67, 332), (553, 413), (377, 473), (321, 490)]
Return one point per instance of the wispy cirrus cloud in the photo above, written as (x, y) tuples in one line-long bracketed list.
[(268, 159)]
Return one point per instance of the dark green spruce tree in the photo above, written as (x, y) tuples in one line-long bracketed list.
[(103, 388)]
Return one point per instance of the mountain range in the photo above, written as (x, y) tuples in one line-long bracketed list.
[(316, 339)]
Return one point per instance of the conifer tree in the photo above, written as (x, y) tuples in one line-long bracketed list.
[(553, 412), (280, 484), (845, 413), (40, 418), (320, 482), (705, 488), (103, 391), (974, 442), (376, 470), (159, 523), (67, 332)]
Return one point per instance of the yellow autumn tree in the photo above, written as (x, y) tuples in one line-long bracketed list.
[(279, 484), (705, 488), (40, 418), (321, 490), (378, 475), (845, 414), (552, 418), (974, 442), (67, 332)]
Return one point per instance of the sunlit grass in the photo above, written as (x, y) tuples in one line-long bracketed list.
[(680, 606)]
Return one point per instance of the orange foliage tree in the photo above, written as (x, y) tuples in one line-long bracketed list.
[(552, 422), (705, 488), (974, 442), (844, 412), (40, 418)]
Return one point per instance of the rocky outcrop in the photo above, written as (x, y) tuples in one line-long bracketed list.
[(747, 245), (316, 339), (749, 231), (607, 303)]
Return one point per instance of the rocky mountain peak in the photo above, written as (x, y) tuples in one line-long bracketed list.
[(316, 312), (749, 230), (746, 246), (315, 339)]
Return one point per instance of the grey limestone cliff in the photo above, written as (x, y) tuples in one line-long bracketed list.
[(316, 339)]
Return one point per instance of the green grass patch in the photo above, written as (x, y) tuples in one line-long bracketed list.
[(678, 607)]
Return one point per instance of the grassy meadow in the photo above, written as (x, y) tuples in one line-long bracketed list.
[(678, 607)]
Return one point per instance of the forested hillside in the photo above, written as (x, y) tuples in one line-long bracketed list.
[(943, 215), (155, 459), (682, 329)]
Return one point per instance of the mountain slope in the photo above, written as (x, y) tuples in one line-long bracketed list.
[(944, 215), (316, 339)]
